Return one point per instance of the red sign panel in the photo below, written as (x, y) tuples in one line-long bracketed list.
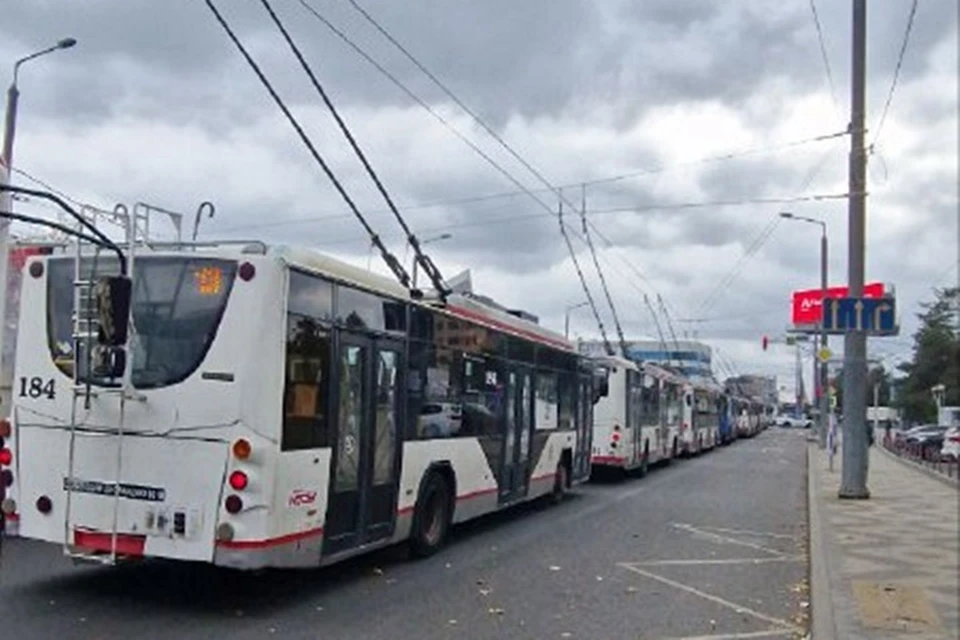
[(808, 304)]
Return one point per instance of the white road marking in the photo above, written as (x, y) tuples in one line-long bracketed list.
[(746, 532), (668, 563), (787, 626), (726, 539), (769, 633)]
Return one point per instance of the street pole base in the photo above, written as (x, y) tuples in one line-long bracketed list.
[(854, 494)]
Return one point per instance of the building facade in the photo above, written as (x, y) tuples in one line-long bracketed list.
[(689, 357)]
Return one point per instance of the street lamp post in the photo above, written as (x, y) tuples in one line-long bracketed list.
[(566, 317), (821, 376), (6, 200), (439, 238)]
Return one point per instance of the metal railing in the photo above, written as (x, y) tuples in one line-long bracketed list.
[(927, 456)]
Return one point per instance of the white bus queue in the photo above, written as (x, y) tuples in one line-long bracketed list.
[(274, 407)]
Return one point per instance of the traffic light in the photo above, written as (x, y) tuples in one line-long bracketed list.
[(766, 342)]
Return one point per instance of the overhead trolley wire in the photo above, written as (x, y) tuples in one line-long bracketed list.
[(603, 280), (472, 145), (399, 272), (823, 54), (896, 71), (425, 262)]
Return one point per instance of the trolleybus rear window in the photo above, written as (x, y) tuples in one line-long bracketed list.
[(177, 306)]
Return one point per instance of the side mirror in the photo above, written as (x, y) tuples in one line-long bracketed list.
[(601, 385), (109, 362), (113, 295)]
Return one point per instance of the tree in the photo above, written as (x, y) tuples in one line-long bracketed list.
[(936, 359), (875, 375)]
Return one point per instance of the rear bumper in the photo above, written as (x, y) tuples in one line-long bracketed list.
[(608, 461)]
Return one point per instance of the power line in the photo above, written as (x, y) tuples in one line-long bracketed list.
[(823, 54), (366, 15), (388, 257), (732, 275), (896, 70), (425, 262), (583, 281), (596, 264), (517, 218), (677, 206), (466, 140)]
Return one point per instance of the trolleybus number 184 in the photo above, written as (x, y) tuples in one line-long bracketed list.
[(37, 387)]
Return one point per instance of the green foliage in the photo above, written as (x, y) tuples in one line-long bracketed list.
[(936, 359)]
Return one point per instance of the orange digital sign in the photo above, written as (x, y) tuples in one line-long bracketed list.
[(209, 280)]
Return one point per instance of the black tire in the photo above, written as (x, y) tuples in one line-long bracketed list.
[(645, 463), (561, 481), (431, 516)]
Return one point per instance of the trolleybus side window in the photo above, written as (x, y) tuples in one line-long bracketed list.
[(651, 400), (567, 388), (310, 296), (545, 413), (307, 387)]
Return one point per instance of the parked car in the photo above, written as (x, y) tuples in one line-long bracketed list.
[(951, 444), (928, 438), (793, 422)]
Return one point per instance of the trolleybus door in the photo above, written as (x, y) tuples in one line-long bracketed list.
[(581, 462), (518, 432), (363, 481)]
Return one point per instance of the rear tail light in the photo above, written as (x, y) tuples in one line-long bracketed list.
[(239, 480), (955, 438), (6, 478), (44, 505), (615, 436), (247, 271), (233, 504), (242, 449), (8, 506), (6, 457), (5, 429)]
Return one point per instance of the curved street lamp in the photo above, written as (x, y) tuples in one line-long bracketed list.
[(6, 200), (820, 380)]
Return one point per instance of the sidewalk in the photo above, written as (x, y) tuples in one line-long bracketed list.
[(887, 567)]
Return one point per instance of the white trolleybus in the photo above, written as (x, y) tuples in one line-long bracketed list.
[(630, 430), (272, 407), (700, 426)]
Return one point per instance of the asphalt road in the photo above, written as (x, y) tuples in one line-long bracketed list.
[(706, 548)]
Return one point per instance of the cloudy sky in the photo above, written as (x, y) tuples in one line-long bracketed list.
[(690, 121)]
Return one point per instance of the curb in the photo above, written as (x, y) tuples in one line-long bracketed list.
[(822, 623), (950, 482)]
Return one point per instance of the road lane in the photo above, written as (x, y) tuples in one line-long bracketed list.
[(700, 548)]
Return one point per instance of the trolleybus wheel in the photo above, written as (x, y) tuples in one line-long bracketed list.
[(645, 463), (559, 484), (431, 517)]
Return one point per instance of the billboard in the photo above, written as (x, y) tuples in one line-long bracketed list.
[(807, 308)]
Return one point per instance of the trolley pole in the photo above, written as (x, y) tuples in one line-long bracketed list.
[(853, 483)]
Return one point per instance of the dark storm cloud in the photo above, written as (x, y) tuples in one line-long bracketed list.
[(551, 73), (505, 58)]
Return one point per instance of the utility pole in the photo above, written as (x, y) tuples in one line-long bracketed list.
[(798, 410), (853, 484), (824, 371)]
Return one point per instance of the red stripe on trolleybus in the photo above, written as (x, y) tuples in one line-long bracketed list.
[(607, 460), (127, 544), (270, 542)]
